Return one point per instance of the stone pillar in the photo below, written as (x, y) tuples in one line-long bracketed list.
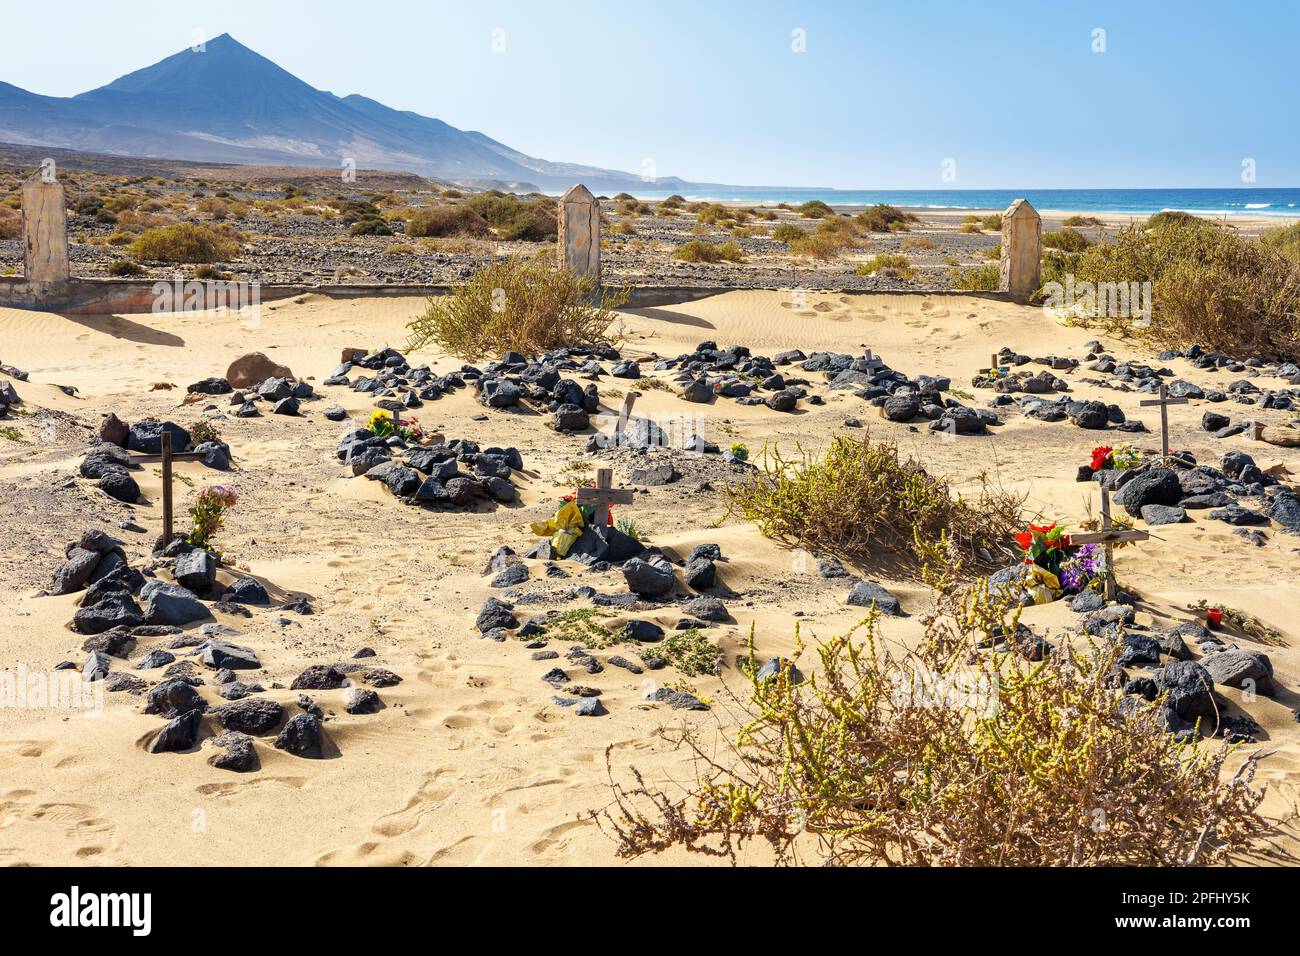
[(1022, 250), (579, 233), (45, 231)]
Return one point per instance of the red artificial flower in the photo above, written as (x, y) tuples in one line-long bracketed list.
[(1025, 540), (1099, 456)]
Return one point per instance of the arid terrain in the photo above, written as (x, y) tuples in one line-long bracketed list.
[(470, 760)]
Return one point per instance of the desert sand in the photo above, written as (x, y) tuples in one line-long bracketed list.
[(470, 762)]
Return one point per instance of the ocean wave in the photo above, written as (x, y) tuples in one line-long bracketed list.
[(1258, 205)]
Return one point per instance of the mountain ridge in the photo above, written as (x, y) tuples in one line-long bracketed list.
[(230, 104)]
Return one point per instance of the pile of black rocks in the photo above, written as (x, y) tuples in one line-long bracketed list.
[(1164, 493), (735, 372), (433, 474), (283, 394), (395, 385), (540, 382), (124, 607), (108, 460)]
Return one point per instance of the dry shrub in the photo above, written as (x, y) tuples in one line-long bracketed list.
[(889, 264), (947, 756), (186, 242), (885, 218), (1068, 239), (699, 251), (513, 218), (918, 242), (523, 305), (985, 278), (11, 223), (1209, 286), (863, 497), (439, 221)]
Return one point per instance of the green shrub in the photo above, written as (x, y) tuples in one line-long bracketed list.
[(885, 218), (1067, 240), (888, 264), (1176, 217), (985, 278), (1079, 221), (787, 232), (948, 754), (1285, 240), (862, 499), (699, 251), (124, 268), (516, 219), (993, 223), (529, 306), (186, 242), (1209, 286), (814, 209), (370, 227), (444, 221), (690, 651)]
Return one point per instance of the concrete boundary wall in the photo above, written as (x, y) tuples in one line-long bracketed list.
[(136, 296)]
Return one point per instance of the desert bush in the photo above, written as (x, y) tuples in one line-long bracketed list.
[(1067, 240), (1209, 285), (529, 306), (125, 268), (633, 207), (624, 227), (1176, 217), (1078, 221), (370, 227), (452, 194), (885, 218), (712, 214), (186, 242), (888, 264), (787, 232), (985, 278), (862, 496), (699, 251), (1285, 240), (814, 209), (441, 221), (918, 242), (11, 223), (946, 755), (993, 223), (970, 228), (690, 651), (513, 218)]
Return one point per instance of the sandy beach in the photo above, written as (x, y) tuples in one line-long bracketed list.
[(469, 761)]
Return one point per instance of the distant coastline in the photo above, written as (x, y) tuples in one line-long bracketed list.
[(1280, 203)]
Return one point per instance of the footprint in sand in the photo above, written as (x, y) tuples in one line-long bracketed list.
[(437, 787)]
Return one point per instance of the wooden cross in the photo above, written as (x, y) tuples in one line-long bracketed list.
[(604, 495), (1164, 401), (167, 486), (1108, 536), (624, 416), (873, 363)]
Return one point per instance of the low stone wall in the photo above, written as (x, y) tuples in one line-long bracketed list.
[(135, 296)]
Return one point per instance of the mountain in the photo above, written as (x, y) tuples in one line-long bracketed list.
[(229, 104)]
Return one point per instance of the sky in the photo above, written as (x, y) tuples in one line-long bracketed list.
[(839, 93)]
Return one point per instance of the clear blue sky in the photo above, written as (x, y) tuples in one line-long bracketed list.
[(713, 91)]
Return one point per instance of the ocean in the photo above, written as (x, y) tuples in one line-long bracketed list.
[(1139, 202)]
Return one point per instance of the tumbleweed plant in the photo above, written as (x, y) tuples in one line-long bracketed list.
[(953, 754), (863, 496), (526, 305)]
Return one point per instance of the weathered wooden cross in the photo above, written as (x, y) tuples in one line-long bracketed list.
[(1109, 536), (624, 416), (1164, 401), (166, 457), (872, 362), (604, 495)]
